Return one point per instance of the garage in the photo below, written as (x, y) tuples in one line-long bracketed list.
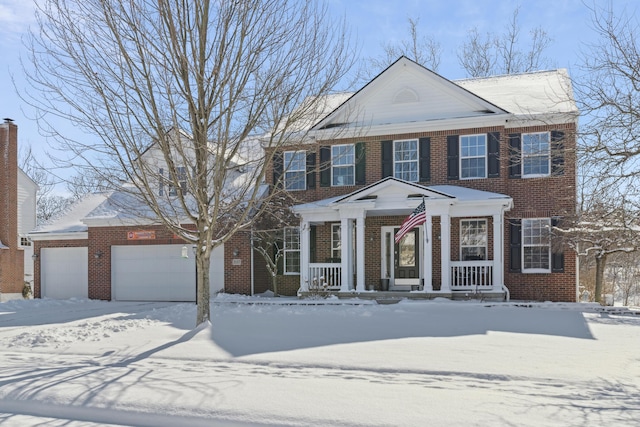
[(159, 273), (64, 273)]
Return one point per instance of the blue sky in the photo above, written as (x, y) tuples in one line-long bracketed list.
[(371, 22)]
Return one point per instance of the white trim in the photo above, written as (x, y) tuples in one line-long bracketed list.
[(522, 156), (485, 156), (486, 236), (522, 246), (416, 161), (81, 235), (352, 165), (286, 170)]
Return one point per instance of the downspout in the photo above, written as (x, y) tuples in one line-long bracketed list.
[(507, 294)]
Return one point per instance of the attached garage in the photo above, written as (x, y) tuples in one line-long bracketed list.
[(64, 273), (159, 273)]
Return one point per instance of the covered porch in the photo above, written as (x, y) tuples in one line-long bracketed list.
[(457, 253)]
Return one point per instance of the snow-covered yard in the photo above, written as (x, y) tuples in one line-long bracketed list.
[(267, 361)]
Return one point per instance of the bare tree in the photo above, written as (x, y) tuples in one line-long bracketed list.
[(422, 49), (482, 56), (176, 91)]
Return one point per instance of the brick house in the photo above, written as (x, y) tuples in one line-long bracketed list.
[(17, 216), (493, 161)]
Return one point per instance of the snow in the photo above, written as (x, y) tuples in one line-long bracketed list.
[(281, 361)]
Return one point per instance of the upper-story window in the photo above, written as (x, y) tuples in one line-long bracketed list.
[(536, 154), (405, 160), (473, 240), (166, 183), (343, 165), (473, 156), (295, 170), (536, 245), (291, 250)]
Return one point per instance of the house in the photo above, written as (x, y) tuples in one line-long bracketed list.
[(17, 217), (493, 161)]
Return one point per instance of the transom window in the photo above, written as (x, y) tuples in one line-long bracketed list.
[(536, 154), (343, 165), (405, 160), (473, 156), (536, 246), (295, 163), (291, 250), (473, 239)]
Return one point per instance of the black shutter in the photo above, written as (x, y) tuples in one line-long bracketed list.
[(557, 251), (387, 158), (452, 156), (493, 151), (311, 170), (325, 166), (515, 156), (557, 152), (161, 182), (361, 176), (277, 170), (313, 233), (515, 245), (425, 160)]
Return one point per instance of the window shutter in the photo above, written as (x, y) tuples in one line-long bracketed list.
[(387, 158), (452, 156), (311, 170), (557, 152), (557, 251), (515, 156), (361, 176), (515, 244), (493, 151), (325, 166), (161, 182), (277, 169), (313, 233), (425, 159)]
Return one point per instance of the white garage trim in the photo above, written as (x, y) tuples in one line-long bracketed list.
[(159, 273), (64, 273)]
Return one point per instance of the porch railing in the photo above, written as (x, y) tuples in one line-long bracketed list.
[(471, 275), (325, 276)]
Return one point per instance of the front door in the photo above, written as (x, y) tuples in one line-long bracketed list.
[(407, 254)]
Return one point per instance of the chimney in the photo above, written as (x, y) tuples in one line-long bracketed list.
[(11, 259)]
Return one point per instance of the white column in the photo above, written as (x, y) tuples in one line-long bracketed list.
[(445, 250), (305, 238), (360, 252), (498, 252), (345, 253), (427, 259)]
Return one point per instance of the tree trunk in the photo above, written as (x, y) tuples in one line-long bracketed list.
[(274, 282), (202, 286), (601, 262)]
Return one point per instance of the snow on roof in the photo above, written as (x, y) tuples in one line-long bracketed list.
[(526, 93), (70, 221), (467, 194)]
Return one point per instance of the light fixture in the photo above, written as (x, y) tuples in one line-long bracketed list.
[(236, 252), (185, 252), (98, 255), (34, 256)]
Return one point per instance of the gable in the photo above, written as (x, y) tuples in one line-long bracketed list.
[(406, 92)]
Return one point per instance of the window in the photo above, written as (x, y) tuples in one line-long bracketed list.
[(291, 250), (25, 241), (336, 247), (536, 155), (181, 172), (405, 160), (295, 163), (473, 156), (343, 165), (473, 239), (536, 248)]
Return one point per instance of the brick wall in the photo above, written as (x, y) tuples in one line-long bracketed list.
[(11, 259)]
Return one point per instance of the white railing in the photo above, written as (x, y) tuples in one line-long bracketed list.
[(325, 276), (471, 275)]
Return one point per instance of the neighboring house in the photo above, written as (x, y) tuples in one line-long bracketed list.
[(17, 216), (492, 158)]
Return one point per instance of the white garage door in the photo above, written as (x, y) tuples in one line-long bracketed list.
[(64, 273), (159, 273)]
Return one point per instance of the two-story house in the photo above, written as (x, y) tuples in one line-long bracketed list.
[(17, 216), (492, 159)]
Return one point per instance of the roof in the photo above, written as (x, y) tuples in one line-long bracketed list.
[(70, 221)]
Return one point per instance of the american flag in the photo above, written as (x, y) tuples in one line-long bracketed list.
[(417, 217)]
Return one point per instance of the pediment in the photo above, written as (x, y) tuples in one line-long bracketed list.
[(392, 190), (408, 92)]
